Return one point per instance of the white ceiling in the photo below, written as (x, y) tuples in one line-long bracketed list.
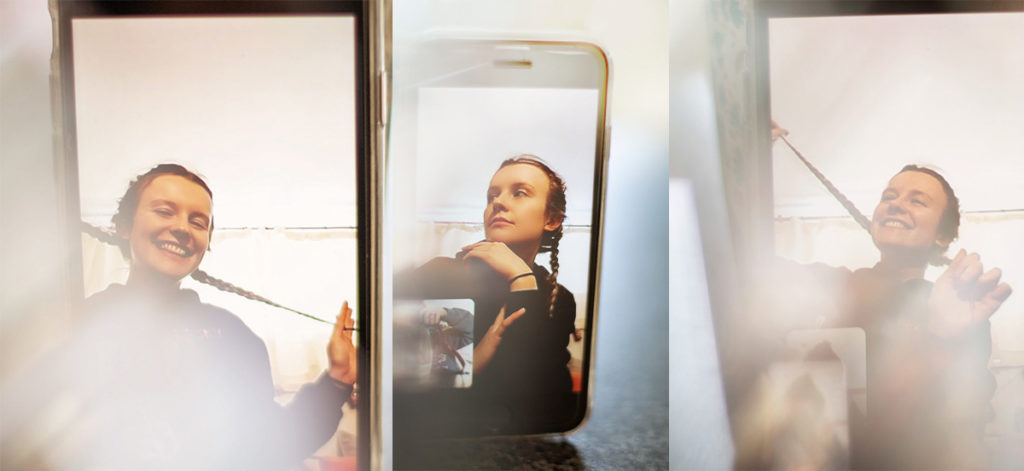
[(862, 96), (262, 107)]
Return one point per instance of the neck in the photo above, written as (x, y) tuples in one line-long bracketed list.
[(146, 281), (527, 252), (905, 267)]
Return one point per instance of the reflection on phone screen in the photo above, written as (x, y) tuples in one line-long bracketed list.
[(497, 206), (434, 344)]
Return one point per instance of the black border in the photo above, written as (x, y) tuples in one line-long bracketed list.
[(67, 161)]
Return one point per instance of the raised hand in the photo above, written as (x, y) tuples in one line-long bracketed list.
[(432, 315), (340, 350), (964, 296), (777, 131), (502, 260), (488, 345)]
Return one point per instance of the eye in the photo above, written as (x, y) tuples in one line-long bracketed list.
[(520, 192), (888, 197), (199, 224), (918, 202), (491, 196), (164, 212)]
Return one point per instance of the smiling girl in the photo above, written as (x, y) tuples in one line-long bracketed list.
[(173, 383), (927, 344)]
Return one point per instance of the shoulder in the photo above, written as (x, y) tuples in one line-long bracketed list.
[(230, 325), (443, 277)]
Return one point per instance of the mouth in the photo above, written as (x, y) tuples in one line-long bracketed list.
[(895, 223), (173, 248), (500, 221)]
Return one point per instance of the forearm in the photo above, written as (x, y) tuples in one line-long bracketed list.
[(285, 435)]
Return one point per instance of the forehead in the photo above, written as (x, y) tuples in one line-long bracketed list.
[(911, 180), (520, 173), (179, 190)]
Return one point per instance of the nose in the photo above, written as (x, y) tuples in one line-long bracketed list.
[(498, 203), (180, 229), (897, 206)]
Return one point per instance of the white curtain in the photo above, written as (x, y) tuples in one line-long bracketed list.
[(312, 271)]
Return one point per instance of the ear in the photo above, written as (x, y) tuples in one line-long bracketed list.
[(552, 224), (122, 233)]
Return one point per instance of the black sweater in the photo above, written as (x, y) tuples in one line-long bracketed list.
[(533, 354), (172, 383)]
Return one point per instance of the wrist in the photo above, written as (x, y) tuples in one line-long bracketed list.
[(341, 379), (520, 276)]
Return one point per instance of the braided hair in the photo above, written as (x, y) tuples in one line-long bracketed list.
[(198, 275), (555, 210)]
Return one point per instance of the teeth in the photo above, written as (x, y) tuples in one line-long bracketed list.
[(898, 224), (173, 248)]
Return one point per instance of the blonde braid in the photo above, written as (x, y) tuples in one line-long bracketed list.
[(553, 277), (555, 209)]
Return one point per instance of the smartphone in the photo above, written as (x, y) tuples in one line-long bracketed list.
[(276, 105), (470, 120)]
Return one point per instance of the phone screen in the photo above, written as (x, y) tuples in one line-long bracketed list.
[(265, 103), (485, 135)]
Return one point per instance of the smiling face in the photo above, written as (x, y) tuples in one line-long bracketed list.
[(170, 230), (907, 218), (516, 211)]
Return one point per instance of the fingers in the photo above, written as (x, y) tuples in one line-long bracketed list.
[(1001, 292), (501, 322), (515, 315), (431, 316), (344, 324), (964, 273), (778, 131), (956, 266), (987, 282), (972, 269)]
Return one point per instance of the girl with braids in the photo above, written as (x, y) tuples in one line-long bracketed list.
[(172, 383), (523, 317)]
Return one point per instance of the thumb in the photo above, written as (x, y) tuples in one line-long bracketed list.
[(954, 270), (513, 317)]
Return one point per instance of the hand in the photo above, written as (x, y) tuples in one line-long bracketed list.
[(485, 349), (964, 296), (340, 350), (777, 131), (432, 315), (500, 258)]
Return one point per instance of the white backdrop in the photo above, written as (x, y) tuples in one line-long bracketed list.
[(863, 96)]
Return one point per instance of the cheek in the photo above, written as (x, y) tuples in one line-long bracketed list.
[(879, 212)]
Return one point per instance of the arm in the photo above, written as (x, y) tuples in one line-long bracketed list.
[(278, 437), (461, 322)]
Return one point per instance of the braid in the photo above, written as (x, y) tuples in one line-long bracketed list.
[(104, 236), (206, 278), (553, 277), (555, 209), (198, 275), (949, 224)]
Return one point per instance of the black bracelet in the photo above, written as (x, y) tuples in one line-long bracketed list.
[(514, 278)]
